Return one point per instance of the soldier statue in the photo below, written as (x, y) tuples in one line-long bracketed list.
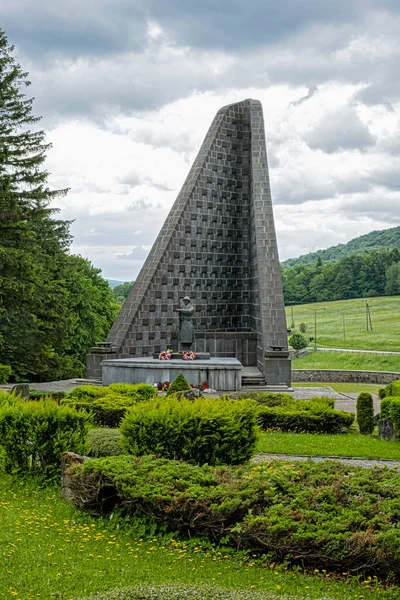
[(186, 328)]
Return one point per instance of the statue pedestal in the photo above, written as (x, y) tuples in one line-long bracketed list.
[(222, 374)]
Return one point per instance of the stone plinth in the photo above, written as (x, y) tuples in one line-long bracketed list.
[(223, 374), (94, 359), (277, 369)]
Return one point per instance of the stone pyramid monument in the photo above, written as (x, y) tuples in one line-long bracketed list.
[(217, 246)]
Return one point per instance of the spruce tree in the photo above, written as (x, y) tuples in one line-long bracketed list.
[(32, 241)]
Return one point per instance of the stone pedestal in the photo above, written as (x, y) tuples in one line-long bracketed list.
[(94, 359), (277, 368), (222, 374)]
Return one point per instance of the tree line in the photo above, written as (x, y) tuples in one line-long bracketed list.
[(53, 305), (374, 273)]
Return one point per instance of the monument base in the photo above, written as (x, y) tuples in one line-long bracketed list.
[(222, 374)]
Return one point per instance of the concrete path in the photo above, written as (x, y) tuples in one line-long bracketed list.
[(359, 462), (358, 351), (65, 385)]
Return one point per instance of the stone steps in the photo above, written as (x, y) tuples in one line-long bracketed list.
[(94, 381)]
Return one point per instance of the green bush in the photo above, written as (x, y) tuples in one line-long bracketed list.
[(178, 385), (298, 341), (138, 391), (385, 407), (105, 442), (321, 515), (392, 389), (365, 413), (317, 402), (35, 434), (87, 392), (107, 411), (204, 431), (395, 414), (310, 419), (381, 393), (172, 591), (7, 398), (42, 394), (5, 373)]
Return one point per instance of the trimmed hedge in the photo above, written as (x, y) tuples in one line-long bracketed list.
[(321, 515), (204, 431), (179, 384), (107, 411), (7, 398), (183, 592), (392, 389), (5, 374), (42, 394), (138, 391), (35, 434), (105, 442), (109, 404), (313, 416), (87, 392), (365, 413)]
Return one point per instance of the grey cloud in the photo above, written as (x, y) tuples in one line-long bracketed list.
[(310, 94), (340, 130), (378, 206), (133, 179), (137, 253), (109, 26), (388, 178), (96, 58)]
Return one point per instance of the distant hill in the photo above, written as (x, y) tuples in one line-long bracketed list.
[(114, 282), (375, 240)]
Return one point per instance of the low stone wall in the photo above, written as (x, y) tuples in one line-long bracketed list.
[(337, 376)]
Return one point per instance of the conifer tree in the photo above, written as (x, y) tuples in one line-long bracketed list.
[(53, 305)]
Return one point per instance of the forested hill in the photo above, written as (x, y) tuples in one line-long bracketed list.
[(375, 240)]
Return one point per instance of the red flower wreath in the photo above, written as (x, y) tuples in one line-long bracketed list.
[(166, 355), (188, 356)]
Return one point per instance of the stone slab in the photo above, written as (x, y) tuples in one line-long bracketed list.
[(222, 374)]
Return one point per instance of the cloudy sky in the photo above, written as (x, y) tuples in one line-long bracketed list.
[(128, 88)]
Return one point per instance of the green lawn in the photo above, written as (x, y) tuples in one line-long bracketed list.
[(343, 388), (50, 550), (348, 361), (342, 324), (347, 444)]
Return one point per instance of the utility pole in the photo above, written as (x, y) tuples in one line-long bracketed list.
[(368, 315), (315, 326)]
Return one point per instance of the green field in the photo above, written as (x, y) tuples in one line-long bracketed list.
[(346, 444), (342, 324), (51, 550), (348, 361)]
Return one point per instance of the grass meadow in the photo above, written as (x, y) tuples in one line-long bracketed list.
[(342, 324), (358, 361), (51, 550), (346, 444)]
